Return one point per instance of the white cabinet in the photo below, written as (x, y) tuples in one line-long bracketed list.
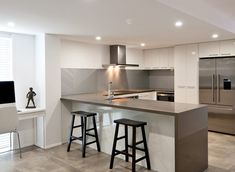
[(161, 58), (217, 48), (148, 95), (209, 49), (227, 48), (186, 74), (171, 58)]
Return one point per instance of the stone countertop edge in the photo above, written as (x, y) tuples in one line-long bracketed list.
[(151, 106)]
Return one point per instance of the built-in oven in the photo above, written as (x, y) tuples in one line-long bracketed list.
[(165, 96)]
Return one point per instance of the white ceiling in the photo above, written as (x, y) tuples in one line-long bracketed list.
[(152, 20)]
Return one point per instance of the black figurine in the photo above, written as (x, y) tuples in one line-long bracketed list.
[(30, 96)]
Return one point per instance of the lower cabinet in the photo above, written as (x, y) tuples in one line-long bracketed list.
[(148, 95)]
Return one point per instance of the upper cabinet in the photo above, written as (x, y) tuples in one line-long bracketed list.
[(209, 49), (217, 48), (227, 48), (162, 58)]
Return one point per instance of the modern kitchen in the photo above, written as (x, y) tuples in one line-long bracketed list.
[(84, 87)]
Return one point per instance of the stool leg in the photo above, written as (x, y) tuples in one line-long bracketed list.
[(114, 146), (84, 137), (126, 142), (96, 134), (82, 125), (71, 133), (133, 149), (146, 148)]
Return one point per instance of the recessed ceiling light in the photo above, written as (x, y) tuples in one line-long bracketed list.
[(11, 24), (98, 38), (215, 35), (142, 44), (129, 21), (178, 24)]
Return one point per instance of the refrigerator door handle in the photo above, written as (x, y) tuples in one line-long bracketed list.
[(218, 88), (212, 84)]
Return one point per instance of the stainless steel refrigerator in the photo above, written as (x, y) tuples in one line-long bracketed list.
[(217, 90)]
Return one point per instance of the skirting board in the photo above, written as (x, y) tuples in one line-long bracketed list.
[(53, 145)]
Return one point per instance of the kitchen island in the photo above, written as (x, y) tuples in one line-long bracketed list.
[(176, 132)]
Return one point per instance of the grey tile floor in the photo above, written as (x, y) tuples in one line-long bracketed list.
[(221, 159)]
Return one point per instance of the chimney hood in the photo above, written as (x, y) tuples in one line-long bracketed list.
[(118, 57)]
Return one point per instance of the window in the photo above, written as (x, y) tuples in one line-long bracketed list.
[(5, 75)]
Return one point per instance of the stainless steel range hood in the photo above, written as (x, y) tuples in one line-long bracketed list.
[(118, 57)]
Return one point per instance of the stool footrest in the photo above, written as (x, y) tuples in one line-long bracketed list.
[(123, 137), (91, 142), (117, 152), (90, 129), (140, 142), (77, 126), (140, 149), (92, 135), (140, 159), (76, 138)]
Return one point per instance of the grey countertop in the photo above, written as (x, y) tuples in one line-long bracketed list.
[(161, 107)]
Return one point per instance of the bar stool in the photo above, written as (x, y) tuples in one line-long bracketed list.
[(134, 125), (84, 131)]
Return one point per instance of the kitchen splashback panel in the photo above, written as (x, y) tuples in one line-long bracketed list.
[(75, 81)]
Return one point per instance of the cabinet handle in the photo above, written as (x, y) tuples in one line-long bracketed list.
[(213, 54), (191, 87), (226, 54)]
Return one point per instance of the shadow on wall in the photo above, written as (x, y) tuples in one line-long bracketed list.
[(75, 81)]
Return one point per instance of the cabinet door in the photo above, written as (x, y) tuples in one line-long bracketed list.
[(148, 95), (163, 58), (151, 58), (171, 58), (180, 73), (210, 49), (148, 59), (192, 74), (227, 48)]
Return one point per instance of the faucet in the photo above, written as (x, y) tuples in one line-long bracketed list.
[(110, 95)]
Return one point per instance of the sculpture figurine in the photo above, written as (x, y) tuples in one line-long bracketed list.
[(30, 96)]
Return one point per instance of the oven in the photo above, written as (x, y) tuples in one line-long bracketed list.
[(165, 96)]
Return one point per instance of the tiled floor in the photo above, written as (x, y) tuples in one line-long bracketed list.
[(221, 159)]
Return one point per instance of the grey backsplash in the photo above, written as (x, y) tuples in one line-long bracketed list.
[(162, 79), (75, 81)]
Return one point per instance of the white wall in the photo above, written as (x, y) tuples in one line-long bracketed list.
[(53, 90), (23, 54), (76, 54)]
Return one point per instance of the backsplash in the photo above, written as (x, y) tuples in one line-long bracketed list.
[(161, 79), (75, 81)]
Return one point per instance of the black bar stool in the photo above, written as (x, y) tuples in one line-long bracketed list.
[(134, 125), (84, 115)]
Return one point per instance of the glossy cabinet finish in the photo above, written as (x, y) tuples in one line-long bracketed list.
[(217, 48), (209, 49), (161, 58), (186, 74)]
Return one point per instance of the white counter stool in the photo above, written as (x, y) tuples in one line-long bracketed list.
[(84, 115), (134, 124)]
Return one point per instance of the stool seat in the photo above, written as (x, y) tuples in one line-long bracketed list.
[(83, 113), (130, 122)]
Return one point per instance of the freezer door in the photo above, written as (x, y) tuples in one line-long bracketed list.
[(226, 81), (207, 81)]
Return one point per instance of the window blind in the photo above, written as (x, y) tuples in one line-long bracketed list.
[(5, 75), (5, 59)]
